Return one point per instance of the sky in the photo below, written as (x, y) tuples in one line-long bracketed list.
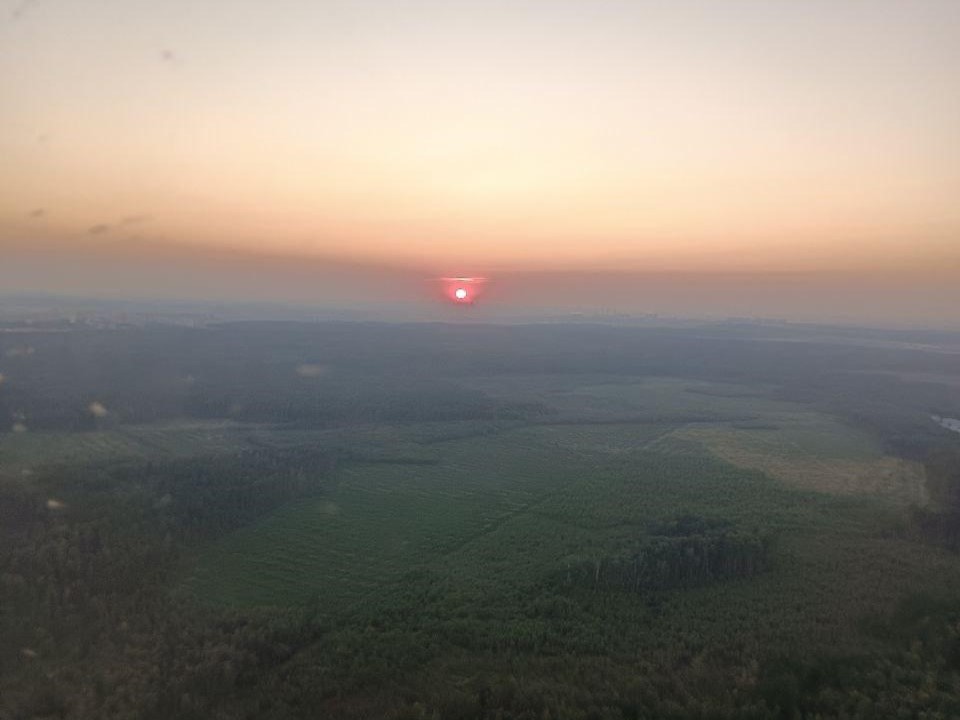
[(772, 158)]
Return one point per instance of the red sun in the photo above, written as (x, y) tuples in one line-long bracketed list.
[(462, 290)]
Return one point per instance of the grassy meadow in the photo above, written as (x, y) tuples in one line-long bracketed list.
[(500, 512)]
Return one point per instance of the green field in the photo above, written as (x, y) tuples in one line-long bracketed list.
[(507, 507), (384, 518)]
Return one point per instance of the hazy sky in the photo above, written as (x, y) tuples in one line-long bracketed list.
[(673, 139)]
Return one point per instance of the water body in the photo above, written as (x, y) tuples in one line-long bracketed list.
[(948, 423)]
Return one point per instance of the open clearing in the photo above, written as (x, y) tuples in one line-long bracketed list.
[(817, 453)]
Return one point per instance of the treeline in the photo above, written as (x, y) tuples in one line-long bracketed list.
[(307, 374), (335, 373), (940, 522), (916, 674), (189, 498), (913, 435), (687, 552), (87, 557), (917, 437), (200, 498)]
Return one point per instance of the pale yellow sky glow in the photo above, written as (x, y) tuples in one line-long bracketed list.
[(462, 137)]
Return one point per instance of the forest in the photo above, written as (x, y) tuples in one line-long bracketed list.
[(355, 520)]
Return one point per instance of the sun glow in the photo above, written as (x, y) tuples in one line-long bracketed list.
[(462, 290)]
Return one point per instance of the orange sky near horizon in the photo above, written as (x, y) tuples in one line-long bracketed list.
[(467, 137)]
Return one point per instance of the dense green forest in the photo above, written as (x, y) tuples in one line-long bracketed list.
[(688, 551), (474, 522)]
